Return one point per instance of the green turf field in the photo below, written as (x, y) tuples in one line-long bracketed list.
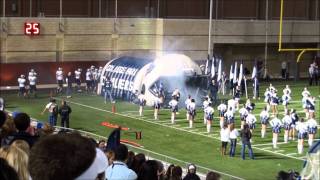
[(177, 141)]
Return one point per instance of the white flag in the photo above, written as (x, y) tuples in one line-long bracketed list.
[(240, 75), (219, 71), (254, 72), (207, 64), (235, 73), (231, 73), (213, 71)]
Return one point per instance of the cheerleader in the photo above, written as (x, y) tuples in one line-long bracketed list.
[(142, 103), (232, 104), (156, 105), (205, 104), (174, 109), (310, 101), (230, 118), (251, 121), (249, 106), (287, 89), (187, 102), (274, 103), (285, 100), (272, 88), (264, 118), (267, 98), (276, 124), (302, 129), (176, 94), (305, 94), (294, 119), (243, 114), (312, 130), (192, 112), (209, 116), (237, 96), (222, 108), (286, 121)]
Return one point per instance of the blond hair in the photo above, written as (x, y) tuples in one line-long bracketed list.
[(18, 159), (23, 145)]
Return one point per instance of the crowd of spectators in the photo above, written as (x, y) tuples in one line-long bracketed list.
[(29, 152)]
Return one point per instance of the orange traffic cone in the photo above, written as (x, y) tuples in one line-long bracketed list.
[(113, 108)]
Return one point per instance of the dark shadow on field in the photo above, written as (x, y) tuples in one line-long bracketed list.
[(260, 156)]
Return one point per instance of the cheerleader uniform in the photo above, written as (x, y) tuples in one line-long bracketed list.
[(285, 99), (312, 126), (192, 109), (251, 121), (229, 115), (310, 104), (276, 124), (264, 117), (173, 105), (205, 104), (274, 99), (187, 102), (267, 96), (243, 114), (302, 129), (249, 106), (286, 121), (294, 119), (142, 101), (222, 108), (209, 116), (156, 103)]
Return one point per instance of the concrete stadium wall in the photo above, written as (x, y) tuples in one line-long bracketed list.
[(101, 39)]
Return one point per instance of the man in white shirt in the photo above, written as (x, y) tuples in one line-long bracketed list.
[(118, 169), (59, 77), (77, 77), (32, 83), (22, 85)]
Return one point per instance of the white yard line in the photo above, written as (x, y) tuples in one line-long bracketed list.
[(156, 123), (292, 154), (266, 144)]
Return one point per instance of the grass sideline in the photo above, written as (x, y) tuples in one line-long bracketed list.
[(178, 141)]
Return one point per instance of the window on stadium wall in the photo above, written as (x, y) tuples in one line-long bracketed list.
[(184, 9)]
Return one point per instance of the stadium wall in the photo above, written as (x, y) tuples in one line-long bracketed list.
[(97, 40)]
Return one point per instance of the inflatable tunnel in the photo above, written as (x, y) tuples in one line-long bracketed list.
[(131, 76)]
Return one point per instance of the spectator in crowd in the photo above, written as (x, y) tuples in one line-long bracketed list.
[(149, 170), (110, 156), (192, 173), (22, 123), (283, 69), (7, 129), (17, 159), (169, 172), (245, 138), (64, 112), (130, 158), (102, 145), (213, 176), (6, 171), (52, 108), (74, 157), (137, 162), (176, 173), (23, 145), (119, 169), (46, 130), (3, 118)]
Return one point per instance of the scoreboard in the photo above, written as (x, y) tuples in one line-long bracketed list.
[(32, 28)]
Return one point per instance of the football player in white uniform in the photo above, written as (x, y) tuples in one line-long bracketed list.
[(77, 77), (59, 77), (32, 83), (22, 86)]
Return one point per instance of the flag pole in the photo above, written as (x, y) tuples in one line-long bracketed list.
[(245, 86)]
